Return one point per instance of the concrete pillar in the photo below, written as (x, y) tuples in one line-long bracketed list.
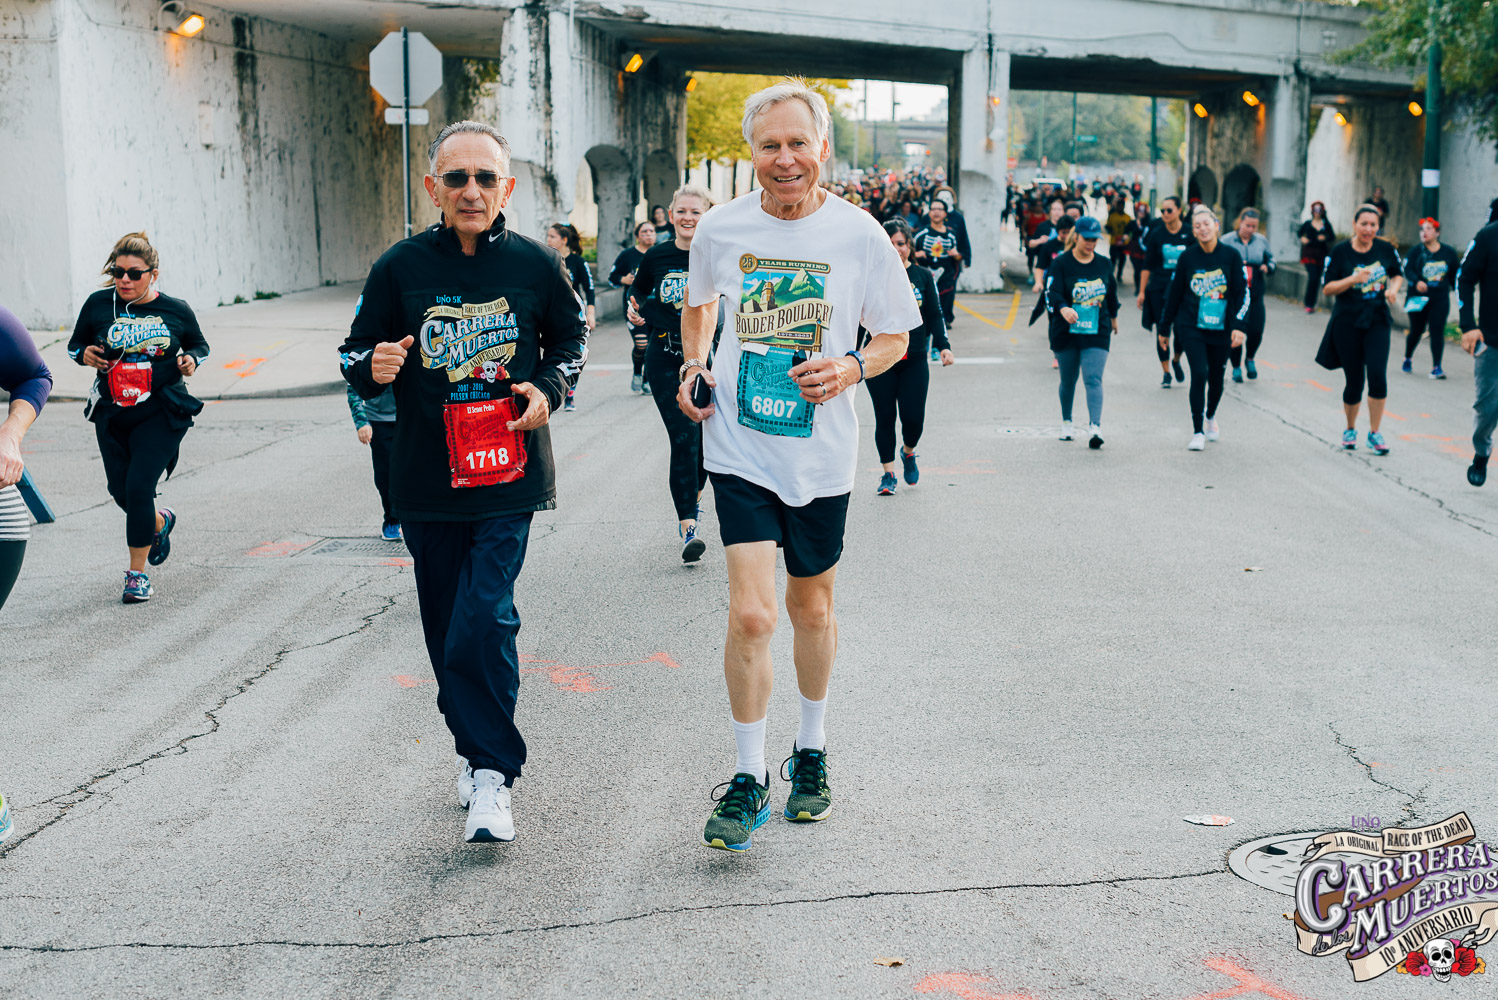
[(527, 64), (1285, 193), (979, 109)]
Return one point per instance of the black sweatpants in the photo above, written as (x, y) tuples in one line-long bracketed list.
[(465, 583), (902, 387), (1433, 318), (1363, 351), (687, 476), (1208, 361), (137, 444), (1253, 325), (381, 447)]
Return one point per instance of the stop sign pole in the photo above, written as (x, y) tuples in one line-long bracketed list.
[(406, 121)]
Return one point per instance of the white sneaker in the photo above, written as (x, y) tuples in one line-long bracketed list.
[(1198, 443), (1095, 441), (1066, 430), (1213, 432), (465, 783), (489, 818)]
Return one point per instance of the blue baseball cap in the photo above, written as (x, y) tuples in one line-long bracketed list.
[(1089, 228)]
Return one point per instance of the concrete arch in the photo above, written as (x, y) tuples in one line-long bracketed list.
[(1203, 186), (662, 178), (1240, 190), (615, 192)]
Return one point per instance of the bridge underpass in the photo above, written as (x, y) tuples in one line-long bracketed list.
[(263, 114)]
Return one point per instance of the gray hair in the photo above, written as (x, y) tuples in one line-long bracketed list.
[(467, 126), (789, 89)]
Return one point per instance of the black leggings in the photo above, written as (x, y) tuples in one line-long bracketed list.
[(1163, 353), (136, 451), (381, 447), (1207, 361), (1433, 317), (902, 387), (1362, 350), (1254, 327), (1313, 282), (637, 356), (11, 554), (687, 476), (1118, 264)]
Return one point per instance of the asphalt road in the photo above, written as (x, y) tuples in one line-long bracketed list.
[(1049, 657)]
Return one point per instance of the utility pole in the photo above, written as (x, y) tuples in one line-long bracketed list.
[(406, 121), (1430, 177), (1074, 129), (1040, 153), (1154, 148)]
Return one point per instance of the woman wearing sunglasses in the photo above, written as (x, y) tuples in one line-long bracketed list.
[(143, 344)]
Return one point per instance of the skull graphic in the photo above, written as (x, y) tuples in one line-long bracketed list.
[(1442, 954), (488, 371)]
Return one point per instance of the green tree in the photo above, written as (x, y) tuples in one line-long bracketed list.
[(1400, 33), (715, 112)]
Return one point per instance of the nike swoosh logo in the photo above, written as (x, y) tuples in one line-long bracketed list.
[(495, 237)]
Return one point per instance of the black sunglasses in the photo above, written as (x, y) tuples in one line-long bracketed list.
[(488, 179), (134, 273)]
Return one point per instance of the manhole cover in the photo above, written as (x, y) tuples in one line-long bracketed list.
[(1274, 862), (354, 548)]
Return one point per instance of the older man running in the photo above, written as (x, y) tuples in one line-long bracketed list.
[(479, 331), (801, 272)]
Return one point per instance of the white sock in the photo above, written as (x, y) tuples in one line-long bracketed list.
[(811, 736), (750, 737)]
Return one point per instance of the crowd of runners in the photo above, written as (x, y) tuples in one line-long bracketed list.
[(751, 323)]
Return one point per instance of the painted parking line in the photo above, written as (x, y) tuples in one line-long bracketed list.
[(979, 316), (1013, 312)]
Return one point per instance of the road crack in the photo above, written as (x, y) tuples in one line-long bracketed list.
[(1412, 799), (606, 922), (76, 796)]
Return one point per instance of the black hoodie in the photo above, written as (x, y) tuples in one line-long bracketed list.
[(511, 304)]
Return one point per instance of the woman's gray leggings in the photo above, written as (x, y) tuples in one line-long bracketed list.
[(1089, 361)]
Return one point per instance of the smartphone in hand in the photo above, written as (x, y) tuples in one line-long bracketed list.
[(702, 393)]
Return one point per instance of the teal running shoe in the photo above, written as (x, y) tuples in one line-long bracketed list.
[(161, 542), (887, 485), (810, 799), (743, 808), (1350, 439), (137, 588), (1376, 443), (912, 472)]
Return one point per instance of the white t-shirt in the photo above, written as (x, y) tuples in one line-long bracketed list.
[(806, 284)]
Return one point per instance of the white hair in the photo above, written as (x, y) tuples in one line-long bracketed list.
[(789, 89), (435, 148)]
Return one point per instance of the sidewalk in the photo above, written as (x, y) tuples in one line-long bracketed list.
[(276, 347)]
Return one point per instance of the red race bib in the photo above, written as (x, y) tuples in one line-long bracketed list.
[(481, 450), (130, 382)]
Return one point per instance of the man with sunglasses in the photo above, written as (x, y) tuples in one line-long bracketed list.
[(1164, 245), (479, 332)]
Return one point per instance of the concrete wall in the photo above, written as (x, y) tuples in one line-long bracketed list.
[(1469, 182), (1382, 143)]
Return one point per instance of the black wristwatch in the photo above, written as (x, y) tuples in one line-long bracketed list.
[(858, 356)]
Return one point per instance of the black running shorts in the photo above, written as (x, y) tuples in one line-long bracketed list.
[(812, 536)]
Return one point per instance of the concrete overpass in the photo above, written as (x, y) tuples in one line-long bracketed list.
[(259, 158)]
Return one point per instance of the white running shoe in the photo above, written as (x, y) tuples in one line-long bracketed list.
[(1066, 430), (1213, 431), (489, 818), (1198, 443), (1095, 441), (465, 783)]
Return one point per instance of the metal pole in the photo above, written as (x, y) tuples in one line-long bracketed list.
[(406, 121), (1074, 129), (1430, 177), (1040, 153), (1154, 148)]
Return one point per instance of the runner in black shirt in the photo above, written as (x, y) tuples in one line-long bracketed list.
[(662, 221), (1316, 239), (1164, 246), (1207, 304), (1258, 265), (27, 379), (903, 386), (1364, 274), (936, 247), (564, 240), (622, 276), (1430, 271), (1478, 278), (1083, 303), (143, 344), (656, 297), (481, 334)]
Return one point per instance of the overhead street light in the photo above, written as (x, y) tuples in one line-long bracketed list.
[(1416, 109), (183, 21), (1201, 112), (1250, 99), (1341, 119), (634, 61), (691, 84)]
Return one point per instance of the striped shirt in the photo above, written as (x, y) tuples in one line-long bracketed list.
[(15, 524)]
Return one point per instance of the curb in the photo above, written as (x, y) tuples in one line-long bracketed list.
[(290, 392)]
